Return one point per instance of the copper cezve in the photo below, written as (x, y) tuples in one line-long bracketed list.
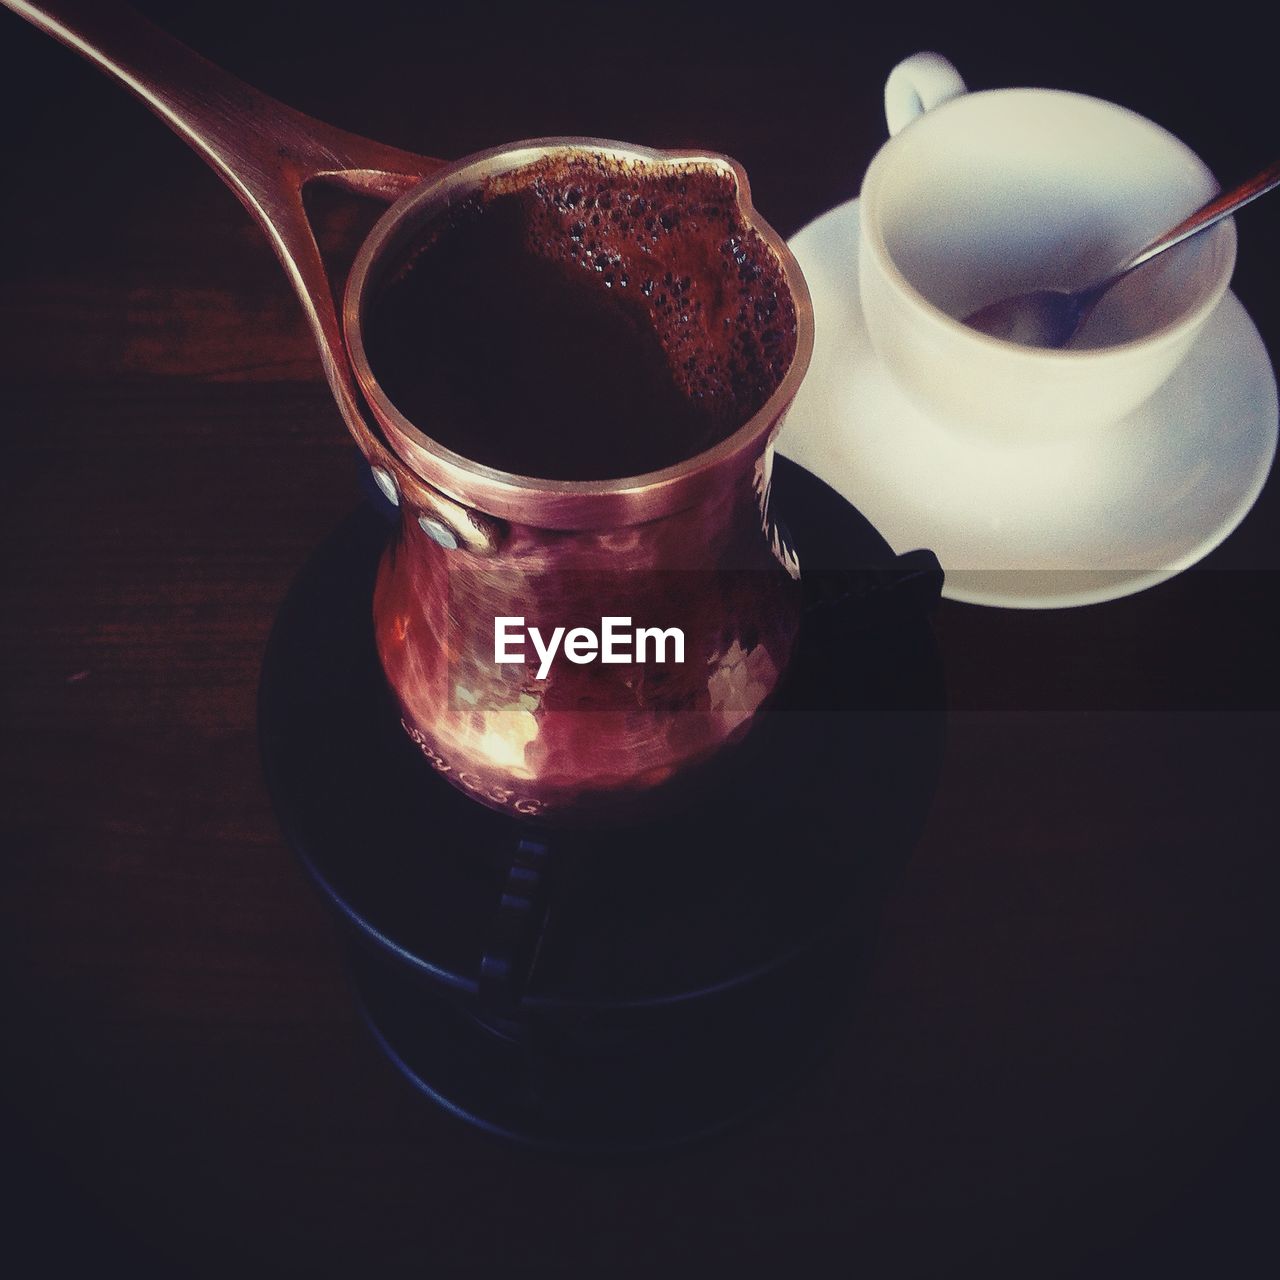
[(689, 545)]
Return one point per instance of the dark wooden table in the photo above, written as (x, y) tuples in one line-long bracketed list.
[(1065, 1060)]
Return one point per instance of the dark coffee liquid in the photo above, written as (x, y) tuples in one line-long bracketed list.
[(585, 319)]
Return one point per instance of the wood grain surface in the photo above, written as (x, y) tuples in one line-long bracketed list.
[(1064, 1063)]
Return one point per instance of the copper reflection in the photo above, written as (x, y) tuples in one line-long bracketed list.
[(588, 740)]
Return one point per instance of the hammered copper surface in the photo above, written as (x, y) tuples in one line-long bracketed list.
[(589, 740)]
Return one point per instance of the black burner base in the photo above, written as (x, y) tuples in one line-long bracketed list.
[(609, 1082), (653, 984)]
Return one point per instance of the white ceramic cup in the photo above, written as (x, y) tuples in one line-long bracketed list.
[(979, 196)]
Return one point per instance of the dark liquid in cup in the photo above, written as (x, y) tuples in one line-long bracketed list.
[(585, 319)]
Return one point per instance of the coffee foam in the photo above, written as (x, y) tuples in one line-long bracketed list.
[(675, 236), (584, 318)]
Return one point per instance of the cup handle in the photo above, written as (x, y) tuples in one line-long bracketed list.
[(916, 85)]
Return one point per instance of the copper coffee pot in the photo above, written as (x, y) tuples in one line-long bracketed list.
[(689, 546)]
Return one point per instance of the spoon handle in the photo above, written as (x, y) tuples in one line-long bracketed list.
[(1221, 206)]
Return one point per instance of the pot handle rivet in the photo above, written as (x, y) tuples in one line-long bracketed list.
[(386, 482), (438, 533)]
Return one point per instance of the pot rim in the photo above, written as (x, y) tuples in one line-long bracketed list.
[(533, 500)]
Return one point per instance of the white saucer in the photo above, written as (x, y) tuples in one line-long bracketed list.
[(1037, 526)]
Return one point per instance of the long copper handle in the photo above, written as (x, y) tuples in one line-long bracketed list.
[(267, 153)]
